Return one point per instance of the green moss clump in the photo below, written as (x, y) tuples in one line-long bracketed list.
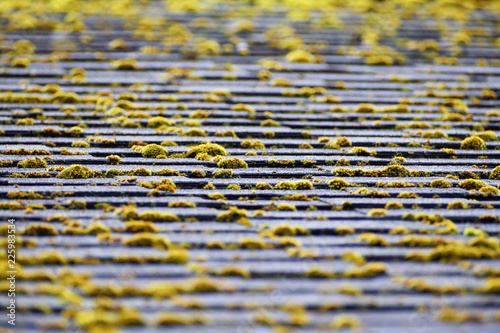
[(169, 143), (362, 151), (195, 132), (473, 143), (441, 183), (338, 184), (487, 136), (32, 163), (394, 205), (495, 173), (253, 144), (234, 187), (305, 145), (166, 172), (286, 206), (155, 216), (457, 205), (303, 185), (471, 184), (285, 185), (75, 171), (202, 157), (270, 123), (209, 148), (337, 143), (111, 173), (209, 186), (6, 163), (232, 215), (198, 173), (113, 159), (80, 144), (153, 151), (148, 239), (155, 122), (232, 163), (263, 186), (141, 172), (224, 173)]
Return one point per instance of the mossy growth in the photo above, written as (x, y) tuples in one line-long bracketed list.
[(300, 55), (32, 163), (305, 145), (195, 132), (394, 205), (148, 239), (252, 243), (303, 185), (270, 123), (243, 107), (473, 143), (217, 196), (80, 144), (362, 151), (407, 195), (198, 173), (441, 183), (487, 136), (338, 142), (234, 214), (111, 173), (495, 173), (338, 184), (113, 159), (471, 184), (224, 173), (263, 186), (169, 143), (156, 216), (209, 148), (155, 122), (234, 187), (209, 186), (458, 204), (153, 151), (253, 144), (76, 171), (232, 163), (377, 212)]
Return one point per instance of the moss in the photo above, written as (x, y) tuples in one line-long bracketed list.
[(235, 187), (32, 163), (202, 157), (13, 205), (457, 205), (148, 239), (407, 195), (209, 148), (232, 163), (303, 185), (113, 159), (495, 173), (305, 145), (6, 163), (263, 186), (337, 143), (371, 193), (253, 144), (286, 206), (441, 183), (234, 271), (471, 184), (365, 108), (155, 216), (153, 151), (125, 64), (300, 55), (181, 203), (394, 205), (24, 151), (198, 174), (169, 143), (217, 196), (338, 184), (209, 186), (234, 214), (344, 230), (229, 133), (487, 136), (40, 229), (224, 173), (76, 171), (434, 135), (166, 172), (80, 144), (270, 123), (111, 173), (252, 243), (285, 185), (373, 239), (243, 107), (362, 151), (195, 132), (377, 212), (473, 143)]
